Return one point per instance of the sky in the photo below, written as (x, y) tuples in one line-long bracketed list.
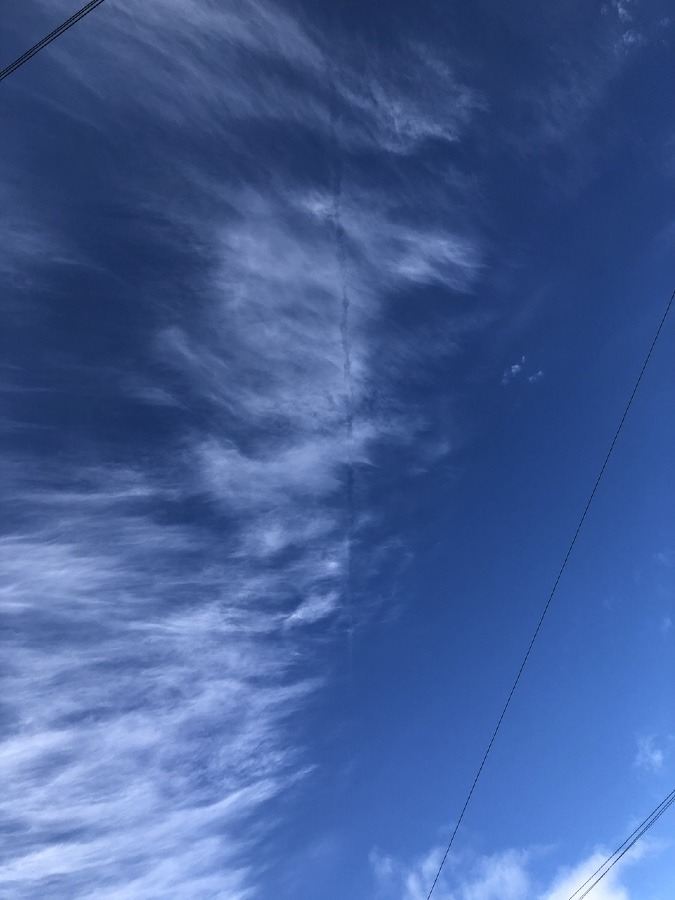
[(318, 320)]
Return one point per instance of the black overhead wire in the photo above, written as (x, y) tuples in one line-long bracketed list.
[(57, 32), (552, 593), (622, 849)]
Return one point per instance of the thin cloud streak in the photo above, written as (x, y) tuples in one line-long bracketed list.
[(400, 102), (159, 663), (151, 704)]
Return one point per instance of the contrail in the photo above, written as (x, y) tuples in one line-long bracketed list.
[(341, 252)]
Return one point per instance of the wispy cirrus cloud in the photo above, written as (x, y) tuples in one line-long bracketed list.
[(144, 702), (164, 609), (398, 101)]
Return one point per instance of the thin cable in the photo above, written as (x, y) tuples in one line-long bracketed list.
[(57, 32), (553, 590), (614, 862), (630, 841)]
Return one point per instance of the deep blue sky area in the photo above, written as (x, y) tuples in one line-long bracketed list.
[(318, 322)]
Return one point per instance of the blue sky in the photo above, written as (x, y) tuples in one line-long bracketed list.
[(319, 319)]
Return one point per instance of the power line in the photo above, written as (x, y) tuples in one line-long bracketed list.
[(551, 595), (621, 850), (57, 32)]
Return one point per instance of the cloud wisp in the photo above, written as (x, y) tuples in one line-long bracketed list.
[(164, 610), (145, 701), (649, 757), (507, 875)]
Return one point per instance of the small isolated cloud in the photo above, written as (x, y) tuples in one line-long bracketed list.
[(649, 756), (512, 371), (666, 626), (665, 558), (517, 370)]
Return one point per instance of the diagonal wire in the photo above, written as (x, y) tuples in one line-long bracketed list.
[(553, 590), (57, 32), (622, 849)]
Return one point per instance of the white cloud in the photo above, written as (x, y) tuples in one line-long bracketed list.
[(510, 372), (609, 888), (517, 370), (501, 876), (315, 608), (159, 661), (201, 58), (148, 704), (649, 755), (509, 875), (397, 114)]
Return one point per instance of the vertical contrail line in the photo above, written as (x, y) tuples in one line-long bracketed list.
[(345, 339)]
